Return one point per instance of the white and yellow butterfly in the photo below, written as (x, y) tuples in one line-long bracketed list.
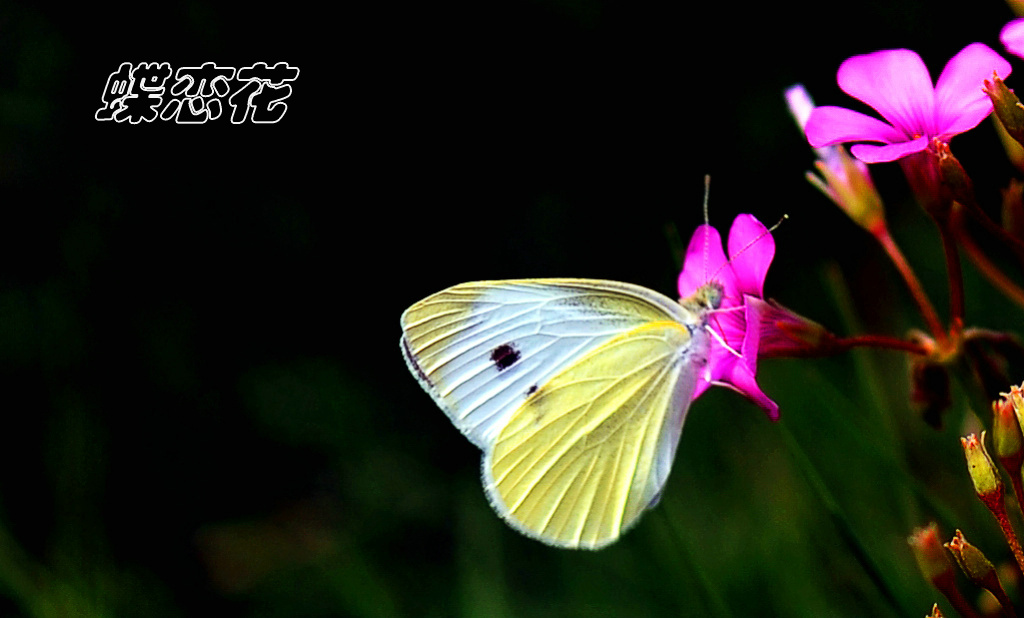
[(574, 389)]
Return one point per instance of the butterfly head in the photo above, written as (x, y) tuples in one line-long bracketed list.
[(706, 299)]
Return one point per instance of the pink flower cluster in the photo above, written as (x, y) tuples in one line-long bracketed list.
[(917, 116)]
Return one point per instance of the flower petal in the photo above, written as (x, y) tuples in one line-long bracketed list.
[(829, 125), (702, 385), (752, 338), (751, 249), (869, 153), (1012, 36), (800, 104), (730, 325), (705, 260), (742, 381), (896, 83), (960, 103)]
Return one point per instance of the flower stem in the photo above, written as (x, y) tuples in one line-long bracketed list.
[(956, 279), (998, 509), (880, 341), (996, 588), (1018, 489), (913, 283), (974, 209), (984, 265), (946, 584)]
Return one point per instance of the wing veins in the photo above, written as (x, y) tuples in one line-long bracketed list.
[(564, 448), (613, 382)]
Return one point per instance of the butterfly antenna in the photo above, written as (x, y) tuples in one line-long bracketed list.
[(766, 233), (707, 221), (750, 244), (707, 190)]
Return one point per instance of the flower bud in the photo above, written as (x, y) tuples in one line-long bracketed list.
[(984, 475), (1013, 209), (1006, 106), (953, 174), (1016, 398), (978, 569), (1008, 443), (1014, 150), (972, 562), (929, 553), (935, 564), (844, 179), (1007, 440)]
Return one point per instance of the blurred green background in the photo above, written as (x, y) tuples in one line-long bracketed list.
[(205, 405)]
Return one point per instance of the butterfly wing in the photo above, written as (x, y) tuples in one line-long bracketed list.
[(594, 358), (589, 451)]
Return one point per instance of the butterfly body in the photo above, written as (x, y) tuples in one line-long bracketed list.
[(574, 389)]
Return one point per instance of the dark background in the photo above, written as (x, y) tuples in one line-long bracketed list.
[(205, 405)]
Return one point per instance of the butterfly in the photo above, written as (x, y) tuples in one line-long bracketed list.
[(575, 390)]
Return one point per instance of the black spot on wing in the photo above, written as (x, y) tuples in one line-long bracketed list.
[(504, 356), (531, 390)]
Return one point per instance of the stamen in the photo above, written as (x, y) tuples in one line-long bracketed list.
[(719, 339), (726, 309)]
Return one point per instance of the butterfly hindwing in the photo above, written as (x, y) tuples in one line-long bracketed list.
[(588, 452)]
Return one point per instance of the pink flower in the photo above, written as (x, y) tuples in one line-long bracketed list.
[(1012, 37), (751, 248), (896, 83)]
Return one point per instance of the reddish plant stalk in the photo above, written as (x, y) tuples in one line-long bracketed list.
[(995, 504), (924, 305), (987, 268)]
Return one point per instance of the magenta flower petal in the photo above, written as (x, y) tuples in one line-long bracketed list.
[(870, 153), (720, 362), (702, 385), (1012, 37), (705, 261), (960, 103), (829, 125), (752, 313), (752, 249), (744, 383), (896, 83)]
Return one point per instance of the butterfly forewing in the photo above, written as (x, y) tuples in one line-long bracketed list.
[(480, 349), (578, 462)]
